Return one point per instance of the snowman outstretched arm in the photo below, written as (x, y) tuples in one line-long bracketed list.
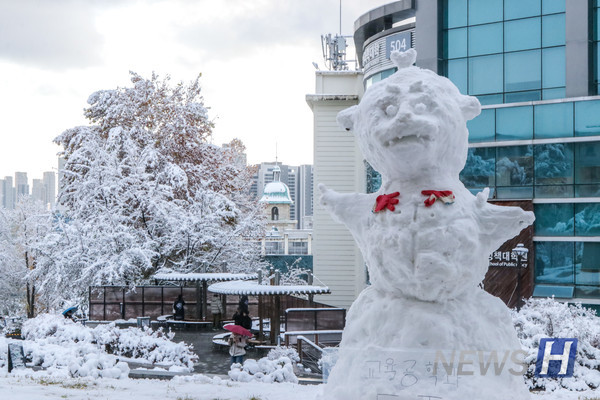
[(346, 208), (500, 223)]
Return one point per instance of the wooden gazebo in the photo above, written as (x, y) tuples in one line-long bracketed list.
[(202, 280), (253, 288)]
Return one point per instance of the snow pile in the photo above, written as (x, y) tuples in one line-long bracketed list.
[(284, 351), (278, 366), (52, 341), (547, 318)]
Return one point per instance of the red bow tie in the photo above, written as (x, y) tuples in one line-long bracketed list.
[(388, 201), (444, 195)]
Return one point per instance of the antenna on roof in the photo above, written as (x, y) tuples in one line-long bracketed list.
[(275, 152), (340, 31), (334, 49), (334, 52)]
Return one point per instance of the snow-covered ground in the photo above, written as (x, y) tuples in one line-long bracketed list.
[(26, 385), (78, 364)]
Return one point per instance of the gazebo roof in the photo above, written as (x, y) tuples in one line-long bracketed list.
[(252, 288), (206, 276)]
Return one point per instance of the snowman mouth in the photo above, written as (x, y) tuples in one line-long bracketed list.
[(408, 139)]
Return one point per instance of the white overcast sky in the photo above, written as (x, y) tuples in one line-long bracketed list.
[(255, 57)]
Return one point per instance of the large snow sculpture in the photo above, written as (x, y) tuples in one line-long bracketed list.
[(423, 325)]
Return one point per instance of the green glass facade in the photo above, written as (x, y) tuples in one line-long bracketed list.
[(596, 46), (513, 51), (505, 51)]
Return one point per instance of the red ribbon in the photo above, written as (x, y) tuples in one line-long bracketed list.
[(386, 201), (444, 195)]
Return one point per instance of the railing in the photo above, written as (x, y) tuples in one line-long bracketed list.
[(310, 345), (109, 303)]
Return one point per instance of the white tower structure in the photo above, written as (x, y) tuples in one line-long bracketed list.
[(339, 165)]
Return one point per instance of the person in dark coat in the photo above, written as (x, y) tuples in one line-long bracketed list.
[(178, 308), (237, 317), (243, 304), (246, 321)]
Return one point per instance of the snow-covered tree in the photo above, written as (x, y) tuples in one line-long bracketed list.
[(144, 190), (21, 230)]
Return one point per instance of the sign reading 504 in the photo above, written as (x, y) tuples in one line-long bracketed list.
[(401, 41)]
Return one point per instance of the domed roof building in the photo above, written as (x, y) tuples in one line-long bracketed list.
[(276, 192), (283, 243), (277, 198)]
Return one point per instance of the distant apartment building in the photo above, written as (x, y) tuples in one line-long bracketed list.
[(61, 172), (38, 191), (21, 184), (304, 196), (49, 181), (7, 193)]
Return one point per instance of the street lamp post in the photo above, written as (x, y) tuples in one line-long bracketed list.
[(521, 251)]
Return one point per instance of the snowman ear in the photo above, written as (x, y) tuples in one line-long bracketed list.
[(470, 107), (345, 118)]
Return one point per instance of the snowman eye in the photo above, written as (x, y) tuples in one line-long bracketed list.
[(391, 110), (420, 108)]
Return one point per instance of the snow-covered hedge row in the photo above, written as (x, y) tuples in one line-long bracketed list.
[(278, 366), (543, 318), (51, 341)]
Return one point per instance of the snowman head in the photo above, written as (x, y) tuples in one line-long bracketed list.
[(412, 122)]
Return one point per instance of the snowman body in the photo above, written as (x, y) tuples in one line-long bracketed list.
[(426, 255)]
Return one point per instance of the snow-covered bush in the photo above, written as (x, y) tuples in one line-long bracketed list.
[(284, 351), (51, 340), (153, 346), (544, 318), (276, 367)]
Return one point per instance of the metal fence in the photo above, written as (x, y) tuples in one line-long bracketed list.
[(109, 303)]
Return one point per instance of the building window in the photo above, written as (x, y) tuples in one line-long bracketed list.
[(274, 248), (587, 118), (373, 179), (554, 262), (480, 169), (569, 265), (506, 51), (514, 123), (298, 248), (274, 214), (554, 120), (553, 164), (596, 46)]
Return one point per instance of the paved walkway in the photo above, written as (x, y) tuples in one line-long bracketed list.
[(212, 359)]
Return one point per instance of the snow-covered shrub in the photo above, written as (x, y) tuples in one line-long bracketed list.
[(265, 370), (55, 329), (51, 340), (283, 351), (544, 318), (153, 346)]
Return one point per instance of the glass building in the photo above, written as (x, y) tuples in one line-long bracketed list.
[(534, 66)]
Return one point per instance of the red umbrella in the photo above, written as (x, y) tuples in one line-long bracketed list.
[(240, 330)]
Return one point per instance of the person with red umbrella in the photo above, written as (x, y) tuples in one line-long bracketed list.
[(237, 342)]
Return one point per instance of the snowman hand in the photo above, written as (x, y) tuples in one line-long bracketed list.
[(327, 195)]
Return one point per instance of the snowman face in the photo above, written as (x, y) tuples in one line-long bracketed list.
[(412, 121)]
